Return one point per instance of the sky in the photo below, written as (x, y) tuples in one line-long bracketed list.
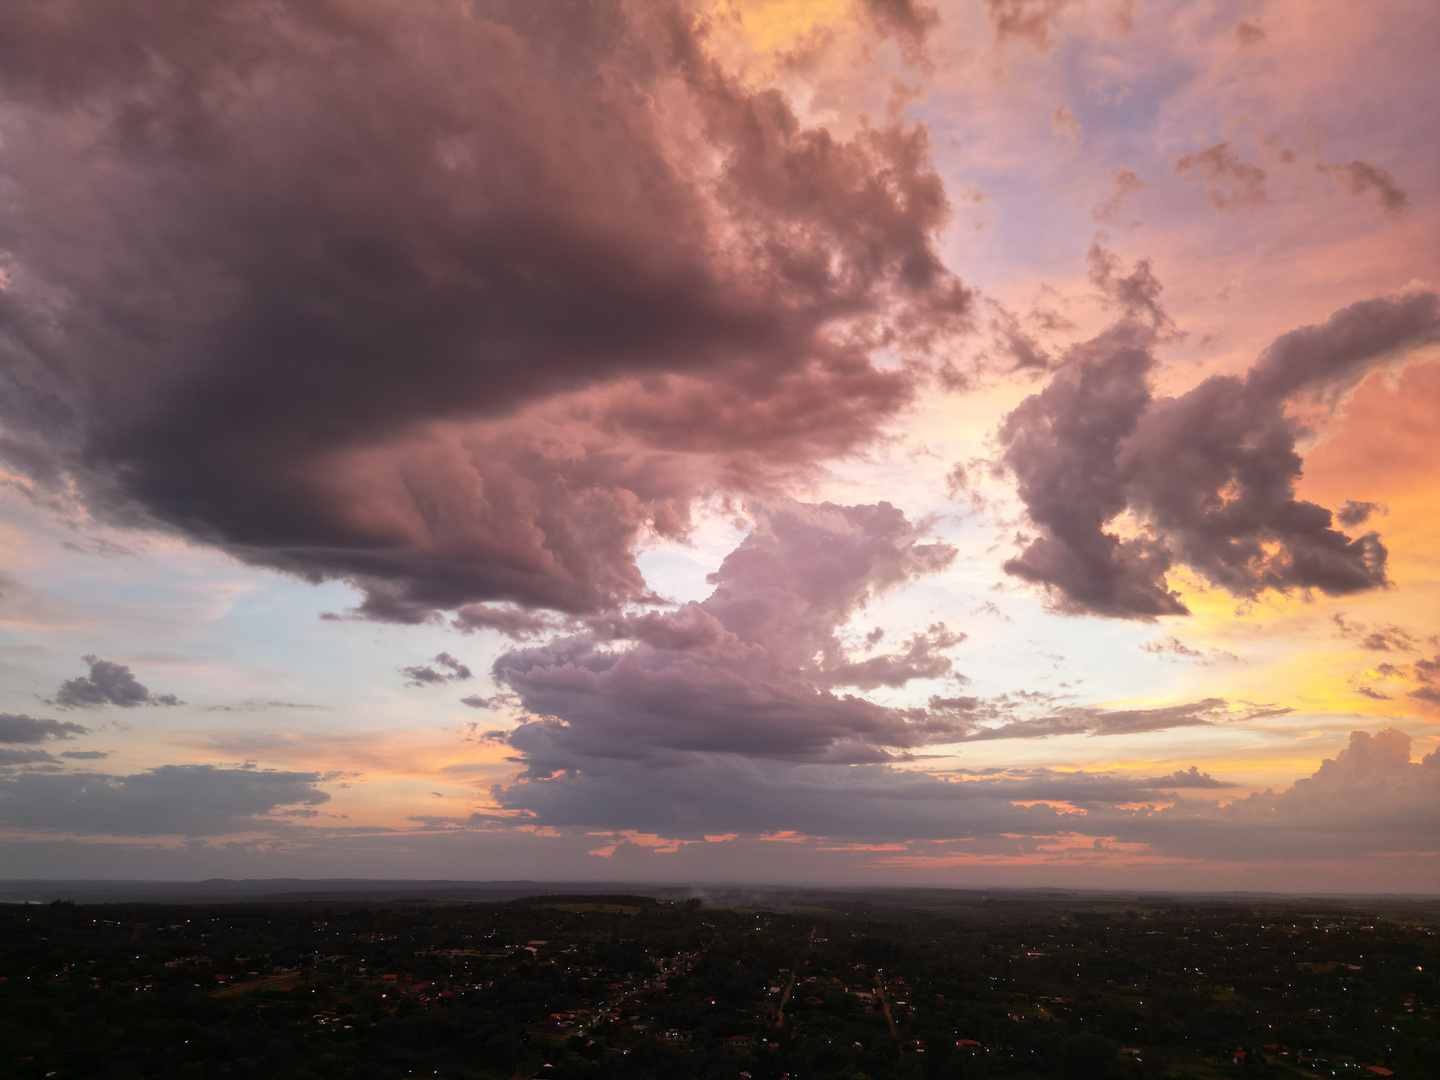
[(829, 441)]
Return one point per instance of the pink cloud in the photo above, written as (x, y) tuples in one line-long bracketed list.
[(403, 230)]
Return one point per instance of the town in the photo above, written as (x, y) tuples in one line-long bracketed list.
[(588, 985)]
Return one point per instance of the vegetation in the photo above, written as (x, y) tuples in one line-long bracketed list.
[(628, 986)]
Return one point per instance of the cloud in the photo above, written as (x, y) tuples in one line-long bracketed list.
[(1248, 33), (1427, 675), (1352, 512), (750, 670), (474, 298), (98, 545), (1348, 807), (1123, 183), (905, 20), (1230, 183), (511, 621), (723, 716), (1191, 778), (920, 659), (1014, 343), (689, 797), (1370, 798), (1063, 446), (107, 684), (183, 800), (1206, 479), (23, 757), (1364, 179), (450, 670), (1063, 122), (261, 705), (1027, 20), (1079, 720), (1136, 295), (1379, 639), (1172, 646), (19, 728)]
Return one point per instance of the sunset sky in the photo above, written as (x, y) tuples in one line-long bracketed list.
[(989, 443)]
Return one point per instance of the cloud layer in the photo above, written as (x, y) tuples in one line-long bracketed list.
[(20, 728), (172, 800), (726, 715)]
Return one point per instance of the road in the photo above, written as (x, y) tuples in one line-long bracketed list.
[(785, 997), (885, 1004), (268, 983)]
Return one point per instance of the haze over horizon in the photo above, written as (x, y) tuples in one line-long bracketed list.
[(990, 443)]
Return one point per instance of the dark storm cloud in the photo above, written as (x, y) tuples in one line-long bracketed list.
[(1209, 476), (19, 728), (185, 800), (1230, 183), (450, 301), (107, 684), (443, 669)]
